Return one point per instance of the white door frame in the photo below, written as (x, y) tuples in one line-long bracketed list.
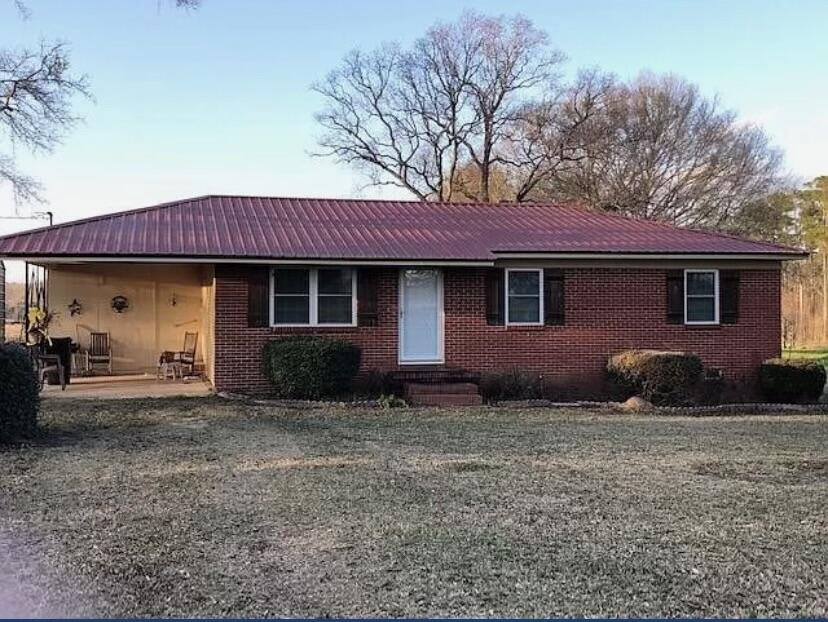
[(440, 322)]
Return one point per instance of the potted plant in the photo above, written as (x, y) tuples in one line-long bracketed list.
[(39, 321)]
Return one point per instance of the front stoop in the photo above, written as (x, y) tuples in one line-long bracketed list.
[(442, 394)]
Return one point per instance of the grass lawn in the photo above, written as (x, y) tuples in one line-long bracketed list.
[(202, 507)]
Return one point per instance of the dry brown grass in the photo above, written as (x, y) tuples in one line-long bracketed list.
[(200, 507)]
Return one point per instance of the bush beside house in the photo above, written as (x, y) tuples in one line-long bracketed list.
[(663, 378), (19, 393), (511, 384), (792, 380), (310, 367)]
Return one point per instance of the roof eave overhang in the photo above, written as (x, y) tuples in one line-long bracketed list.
[(168, 259), (693, 256), (499, 255)]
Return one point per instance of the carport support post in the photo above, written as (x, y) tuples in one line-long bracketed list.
[(26, 304), (2, 301)]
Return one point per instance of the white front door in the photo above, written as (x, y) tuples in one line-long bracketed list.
[(421, 316)]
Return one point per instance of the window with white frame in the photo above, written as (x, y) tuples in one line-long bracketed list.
[(313, 297), (524, 297), (701, 296)]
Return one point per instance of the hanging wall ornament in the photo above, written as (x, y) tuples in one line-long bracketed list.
[(75, 307), (120, 304)]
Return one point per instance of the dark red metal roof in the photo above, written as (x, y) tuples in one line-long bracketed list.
[(295, 228)]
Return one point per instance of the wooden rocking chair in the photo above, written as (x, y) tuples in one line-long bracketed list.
[(187, 355), (100, 351)]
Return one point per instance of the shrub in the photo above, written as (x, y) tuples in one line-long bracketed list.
[(375, 383), (512, 384), (792, 380), (310, 367), (664, 378), (572, 387), (19, 393)]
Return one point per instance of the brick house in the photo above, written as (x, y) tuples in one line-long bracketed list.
[(423, 288)]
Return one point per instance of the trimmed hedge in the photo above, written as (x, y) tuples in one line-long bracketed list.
[(19, 393), (511, 384), (663, 378), (792, 380), (310, 367)]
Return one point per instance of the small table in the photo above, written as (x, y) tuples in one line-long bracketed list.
[(80, 363), (170, 370)]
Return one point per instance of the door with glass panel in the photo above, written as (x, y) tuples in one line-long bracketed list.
[(421, 316)]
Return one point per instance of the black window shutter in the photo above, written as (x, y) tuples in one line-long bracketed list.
[(258, 294), (675, 296), (729, 296), (367, 303), (553, 297), (495, 297)]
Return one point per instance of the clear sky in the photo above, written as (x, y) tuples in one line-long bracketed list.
[(217, 100)]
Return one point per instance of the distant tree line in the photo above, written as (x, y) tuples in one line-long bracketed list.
[(805, 291)]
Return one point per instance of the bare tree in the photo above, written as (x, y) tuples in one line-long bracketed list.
[(670, 154), (36, 89), (415, 118), (555, 135)]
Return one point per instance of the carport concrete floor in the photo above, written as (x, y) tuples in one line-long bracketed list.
[(127, 386)]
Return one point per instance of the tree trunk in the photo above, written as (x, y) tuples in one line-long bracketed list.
[(484, 183)]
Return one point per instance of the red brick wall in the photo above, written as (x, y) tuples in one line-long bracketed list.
[(607, 310), (238, 348)]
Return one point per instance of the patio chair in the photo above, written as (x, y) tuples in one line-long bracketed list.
[(61, 347), (187, 355), (100, 351), (46, 364)]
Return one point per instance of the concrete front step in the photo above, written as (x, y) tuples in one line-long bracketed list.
[(458, 388), (444, 399)]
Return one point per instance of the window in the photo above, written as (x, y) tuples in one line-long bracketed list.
[(291, 297), (313, 297), (701, 296), (524, 297), (335, 296)]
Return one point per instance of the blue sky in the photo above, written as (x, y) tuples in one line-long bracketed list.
[(217, 100)]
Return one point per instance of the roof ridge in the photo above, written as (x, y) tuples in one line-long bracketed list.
[(412, 201)]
